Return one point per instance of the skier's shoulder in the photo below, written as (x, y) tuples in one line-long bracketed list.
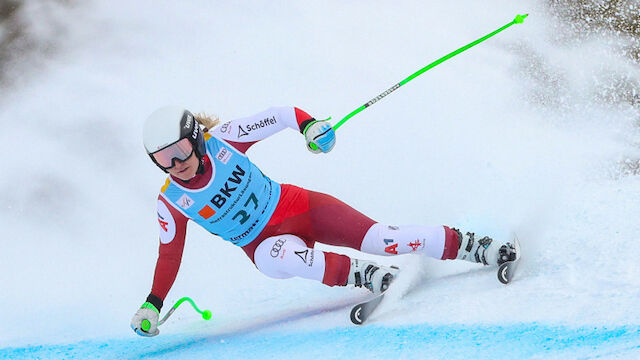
[(167, 191), (165, 186), (220, 134), (217, 136)]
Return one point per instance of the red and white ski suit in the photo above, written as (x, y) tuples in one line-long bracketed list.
[(285, 246)]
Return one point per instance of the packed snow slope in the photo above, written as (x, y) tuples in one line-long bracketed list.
[(514, 135)]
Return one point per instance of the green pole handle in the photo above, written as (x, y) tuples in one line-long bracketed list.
[(519, 19)]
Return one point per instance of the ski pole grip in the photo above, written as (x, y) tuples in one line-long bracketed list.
[(145, 325)]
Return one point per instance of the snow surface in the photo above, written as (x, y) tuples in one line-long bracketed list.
[(508, 136)]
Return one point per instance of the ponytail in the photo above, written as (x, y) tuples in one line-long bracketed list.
[(206, 120)]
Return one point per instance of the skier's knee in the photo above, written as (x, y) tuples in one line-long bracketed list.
[(270, 255), (286, 256)]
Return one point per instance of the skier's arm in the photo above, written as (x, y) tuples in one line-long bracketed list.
[(173, 229), (244, 132)]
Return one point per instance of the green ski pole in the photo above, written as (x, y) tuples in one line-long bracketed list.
[(518, 20), (206, 314)]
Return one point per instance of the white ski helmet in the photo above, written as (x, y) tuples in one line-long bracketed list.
[(166, 127)]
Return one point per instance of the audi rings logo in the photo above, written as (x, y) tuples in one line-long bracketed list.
[(275, 250), (225, 128)]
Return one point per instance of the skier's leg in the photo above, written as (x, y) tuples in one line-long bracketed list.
[(291, 217), (286, 256), (312, 217), (333, 222), (438, 242)]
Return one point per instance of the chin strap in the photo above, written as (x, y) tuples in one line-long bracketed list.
[(201, 166)]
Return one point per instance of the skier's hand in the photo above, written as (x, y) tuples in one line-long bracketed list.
[(320, 136), (145, 321)]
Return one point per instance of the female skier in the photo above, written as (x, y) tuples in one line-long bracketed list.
[(212, 182)]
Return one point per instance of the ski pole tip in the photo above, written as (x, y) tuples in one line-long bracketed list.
[(206, 314), (520, 18)]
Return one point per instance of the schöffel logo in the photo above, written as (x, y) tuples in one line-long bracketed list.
[(242, 131), (306, 256)]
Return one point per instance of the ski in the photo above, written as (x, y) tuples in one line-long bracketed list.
[(508, 268), (360, 313)]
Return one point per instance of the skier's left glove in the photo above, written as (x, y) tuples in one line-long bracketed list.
[(320, 136), (145, 320)]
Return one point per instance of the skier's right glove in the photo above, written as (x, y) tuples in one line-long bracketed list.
[(145, 321), (320, 136)]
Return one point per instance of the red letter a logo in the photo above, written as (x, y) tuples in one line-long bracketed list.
[(392, 249), (163, 224)]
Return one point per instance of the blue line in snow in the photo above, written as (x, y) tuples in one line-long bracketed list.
[(459, 341)]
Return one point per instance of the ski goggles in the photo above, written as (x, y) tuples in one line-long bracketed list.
[(179, 150)]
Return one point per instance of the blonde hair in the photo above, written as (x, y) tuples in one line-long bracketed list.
[(207, 120)]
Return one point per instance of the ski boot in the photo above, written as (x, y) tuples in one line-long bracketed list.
[(374, 277), (484, 250)]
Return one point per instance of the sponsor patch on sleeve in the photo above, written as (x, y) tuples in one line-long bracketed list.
[(166, 222)]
